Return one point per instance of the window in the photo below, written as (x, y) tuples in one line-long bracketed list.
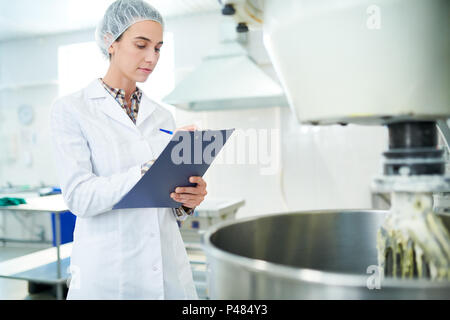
[(78, 65)]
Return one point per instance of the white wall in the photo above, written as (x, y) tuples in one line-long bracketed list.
[(29, 76), (326, 167)]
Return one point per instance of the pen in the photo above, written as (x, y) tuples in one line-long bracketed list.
[(166, 131)]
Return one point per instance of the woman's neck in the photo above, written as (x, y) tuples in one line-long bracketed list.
[(115, 79)]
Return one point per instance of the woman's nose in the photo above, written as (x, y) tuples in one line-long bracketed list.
[(150, 57)]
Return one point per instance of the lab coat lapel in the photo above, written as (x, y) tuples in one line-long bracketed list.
[(107, 104), (145, 109)]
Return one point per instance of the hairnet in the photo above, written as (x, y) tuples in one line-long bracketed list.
[(119, 16)]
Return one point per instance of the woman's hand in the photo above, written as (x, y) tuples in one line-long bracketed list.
[(191, 127), (191, 197)]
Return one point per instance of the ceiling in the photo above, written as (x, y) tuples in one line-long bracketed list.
[(25, 18)]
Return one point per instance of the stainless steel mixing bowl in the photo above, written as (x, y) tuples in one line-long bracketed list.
[(306, 255)]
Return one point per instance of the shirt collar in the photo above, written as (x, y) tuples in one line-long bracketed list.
[(117, 92)]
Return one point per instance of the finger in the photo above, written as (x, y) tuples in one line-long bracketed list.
[(191, 127), (188, 197), (191, 190), (199, 180), (173, 196)]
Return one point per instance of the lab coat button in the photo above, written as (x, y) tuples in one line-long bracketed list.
[(152, 234), (155, 268)]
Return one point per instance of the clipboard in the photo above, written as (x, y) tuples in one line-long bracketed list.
[(188, 153)]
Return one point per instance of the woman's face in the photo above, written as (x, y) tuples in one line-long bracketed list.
[(136, 54)]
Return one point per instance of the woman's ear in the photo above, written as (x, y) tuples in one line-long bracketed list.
[(107, 39)]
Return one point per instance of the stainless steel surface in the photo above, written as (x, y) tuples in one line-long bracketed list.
[(337, 60), (227, 79), (197, 260), (415, 183), (444, 129), (46, 273), (305, 255), (48, 204), (209, 212)]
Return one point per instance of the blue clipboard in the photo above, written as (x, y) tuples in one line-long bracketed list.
[(188, 153)]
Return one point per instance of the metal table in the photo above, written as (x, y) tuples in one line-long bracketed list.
[(210, 212), (14, 269)]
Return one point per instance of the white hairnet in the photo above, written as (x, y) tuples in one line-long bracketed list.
[(119, 16)]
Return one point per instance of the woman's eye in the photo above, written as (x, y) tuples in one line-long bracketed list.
[(140, 47), (157, 49)]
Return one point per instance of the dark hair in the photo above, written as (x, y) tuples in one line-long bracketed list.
[(118, 39)]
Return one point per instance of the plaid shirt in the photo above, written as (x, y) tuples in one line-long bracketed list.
[(119, 96), (180, 213)]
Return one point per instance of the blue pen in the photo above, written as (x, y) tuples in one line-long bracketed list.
[(166, 131)]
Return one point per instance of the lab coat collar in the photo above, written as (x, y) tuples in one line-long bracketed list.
[(109, 106)]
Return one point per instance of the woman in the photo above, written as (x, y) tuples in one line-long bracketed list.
[(104, 139)]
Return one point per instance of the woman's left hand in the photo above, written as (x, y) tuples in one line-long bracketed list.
[(191, 197)]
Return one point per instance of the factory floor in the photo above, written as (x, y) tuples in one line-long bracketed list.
[(11, 289)]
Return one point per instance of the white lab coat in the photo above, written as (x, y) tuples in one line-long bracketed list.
[(117, 254)]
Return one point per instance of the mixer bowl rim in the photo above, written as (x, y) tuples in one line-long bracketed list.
[(308, 275)]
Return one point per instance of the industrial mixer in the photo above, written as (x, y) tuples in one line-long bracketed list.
[(353, 62)]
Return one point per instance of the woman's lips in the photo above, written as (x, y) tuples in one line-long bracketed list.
[(145, 70)]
